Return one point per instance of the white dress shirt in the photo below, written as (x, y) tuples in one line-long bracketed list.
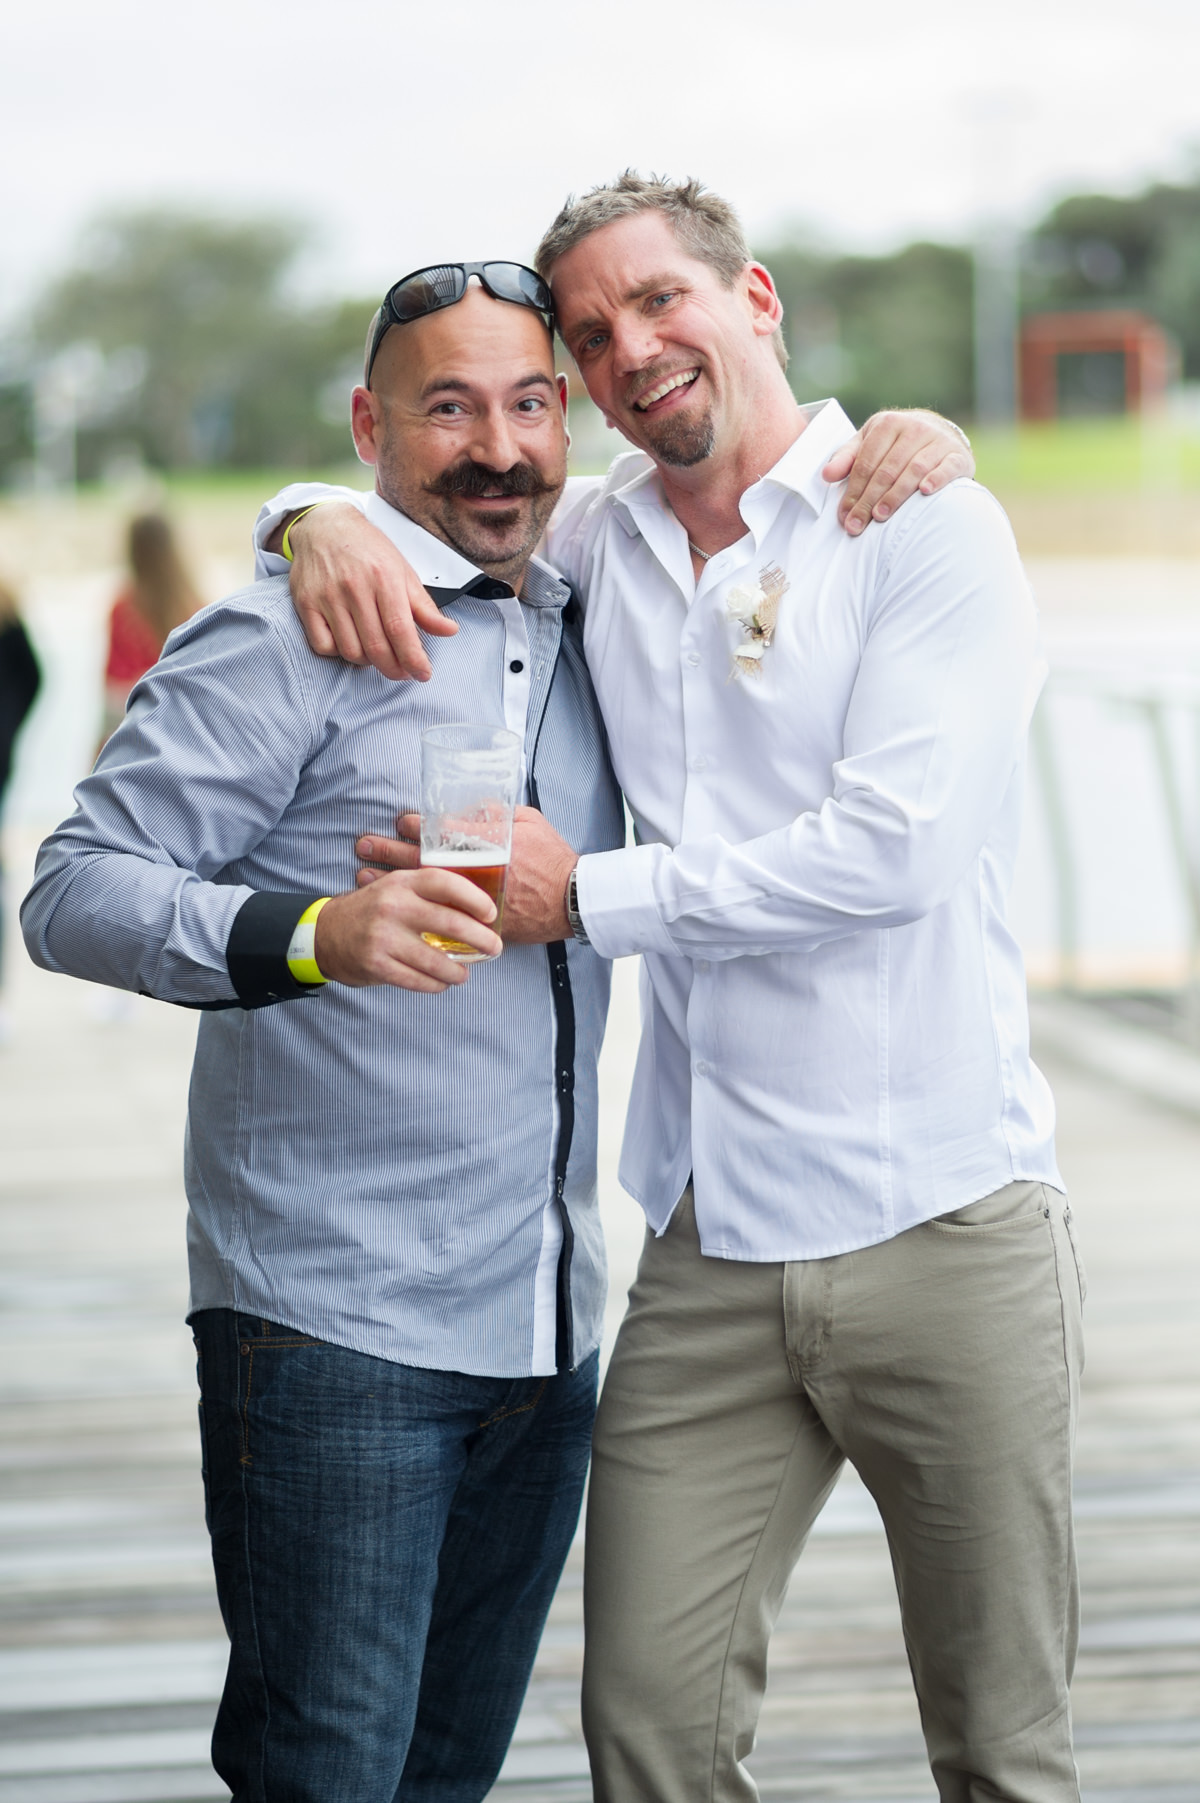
[(835, 1035)]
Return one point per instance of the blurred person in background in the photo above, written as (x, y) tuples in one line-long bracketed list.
[(20, 679), (159, 595)]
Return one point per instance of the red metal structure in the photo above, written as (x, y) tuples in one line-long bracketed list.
[(1148, 352)]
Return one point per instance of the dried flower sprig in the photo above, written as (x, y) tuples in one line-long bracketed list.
[(756, 610)]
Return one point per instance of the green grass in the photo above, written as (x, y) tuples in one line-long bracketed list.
[(1086, 456), (254, 485), (1075, 456)]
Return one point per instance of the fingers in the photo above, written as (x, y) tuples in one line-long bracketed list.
[(324, 608), (358, 598), (381, 610), (426, 612), (897, 454), (318, 634), (396, 854), (958, 461), (375, 934), (876, 466), (842, 462)]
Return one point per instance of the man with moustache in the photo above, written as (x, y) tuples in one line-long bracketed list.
[(397, 1268), (858, 1244)]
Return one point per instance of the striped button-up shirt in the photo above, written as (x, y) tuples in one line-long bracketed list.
[(376, 1167)]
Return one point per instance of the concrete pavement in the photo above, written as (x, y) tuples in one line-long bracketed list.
[(110, 1643)]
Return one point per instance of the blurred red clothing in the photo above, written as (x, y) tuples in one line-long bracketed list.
[(133, 647)]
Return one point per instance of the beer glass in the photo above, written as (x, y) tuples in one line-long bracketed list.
[(470, 777)]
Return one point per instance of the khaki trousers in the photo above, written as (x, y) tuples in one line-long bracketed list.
[(944, 1364)]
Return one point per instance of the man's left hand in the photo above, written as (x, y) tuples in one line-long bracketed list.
[(535, 895), (893, 456)]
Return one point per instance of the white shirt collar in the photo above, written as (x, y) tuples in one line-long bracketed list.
[(799, 469), (440, 566)]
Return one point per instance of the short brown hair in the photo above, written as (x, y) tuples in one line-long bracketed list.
[(706, 226)]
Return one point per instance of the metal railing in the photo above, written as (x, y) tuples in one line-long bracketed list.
[(1157, 703)]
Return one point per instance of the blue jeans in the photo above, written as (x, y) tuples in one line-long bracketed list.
[(387, 1542)]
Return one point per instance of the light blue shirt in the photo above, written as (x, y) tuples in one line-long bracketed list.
[(372, 1166)]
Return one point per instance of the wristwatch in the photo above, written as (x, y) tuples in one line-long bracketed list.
[(574, 918)]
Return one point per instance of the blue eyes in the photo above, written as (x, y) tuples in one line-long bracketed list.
[(655, 303)]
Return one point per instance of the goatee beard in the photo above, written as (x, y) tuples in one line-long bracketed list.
[(682, 443)]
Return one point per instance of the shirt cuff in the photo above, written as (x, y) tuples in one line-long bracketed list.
[(258, 945), (615, 891), (290, 500)]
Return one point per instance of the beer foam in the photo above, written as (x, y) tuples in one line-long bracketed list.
[(473, 856)]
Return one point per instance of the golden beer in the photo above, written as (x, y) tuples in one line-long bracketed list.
[(479, 867), (470, 780)]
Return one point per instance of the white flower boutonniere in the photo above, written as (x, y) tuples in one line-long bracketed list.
[(756, 609)]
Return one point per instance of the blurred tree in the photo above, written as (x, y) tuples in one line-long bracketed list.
[(208, 358), (1143, 250), (891, 331), (16, 426)]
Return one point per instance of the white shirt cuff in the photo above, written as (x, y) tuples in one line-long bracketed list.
[(290, 500), (615, 893)]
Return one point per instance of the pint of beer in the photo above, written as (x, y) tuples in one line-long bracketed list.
[(469, 783)]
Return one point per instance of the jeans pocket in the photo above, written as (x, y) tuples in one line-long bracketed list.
[(262, 1344), (1017, 1205), (1080, 1272)]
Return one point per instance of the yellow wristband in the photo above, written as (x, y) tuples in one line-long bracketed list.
[(285, 544), (301, 953)]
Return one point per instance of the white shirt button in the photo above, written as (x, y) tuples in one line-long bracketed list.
[(703, 964), (693, 658), (701, 1068), (699, 763)]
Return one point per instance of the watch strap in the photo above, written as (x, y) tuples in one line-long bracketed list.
[(574, 918)]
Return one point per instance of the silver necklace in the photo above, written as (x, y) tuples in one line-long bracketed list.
[(702, 555)]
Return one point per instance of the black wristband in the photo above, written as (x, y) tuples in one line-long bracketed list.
[(258, 944)]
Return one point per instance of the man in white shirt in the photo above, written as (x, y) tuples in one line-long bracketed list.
[(858, 1247)]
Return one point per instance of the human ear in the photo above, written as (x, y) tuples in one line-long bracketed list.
[(765, 305), (364, 423)]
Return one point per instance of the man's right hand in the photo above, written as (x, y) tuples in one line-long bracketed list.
[(357, 597), (373, 934)]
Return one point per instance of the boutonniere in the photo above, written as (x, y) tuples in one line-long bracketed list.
[(756, 609)]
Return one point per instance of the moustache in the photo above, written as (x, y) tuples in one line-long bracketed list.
[(471, 480)]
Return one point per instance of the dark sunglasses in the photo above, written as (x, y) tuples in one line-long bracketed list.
[(428, 290)]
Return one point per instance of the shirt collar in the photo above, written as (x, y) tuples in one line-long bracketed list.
[(440, 566), (799, 469)]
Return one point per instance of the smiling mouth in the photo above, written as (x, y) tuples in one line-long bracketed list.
[(683, 378)]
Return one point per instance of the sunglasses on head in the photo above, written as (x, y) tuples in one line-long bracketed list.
[(428, 290)]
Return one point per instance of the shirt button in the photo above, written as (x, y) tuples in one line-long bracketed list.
[(516, 666), (703, 964), (701, 1068), (693, 658), (699, 763)]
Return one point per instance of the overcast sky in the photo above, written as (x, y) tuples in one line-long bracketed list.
[(405, 133)]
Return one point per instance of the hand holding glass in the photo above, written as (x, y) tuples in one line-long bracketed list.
[(469, 782)]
